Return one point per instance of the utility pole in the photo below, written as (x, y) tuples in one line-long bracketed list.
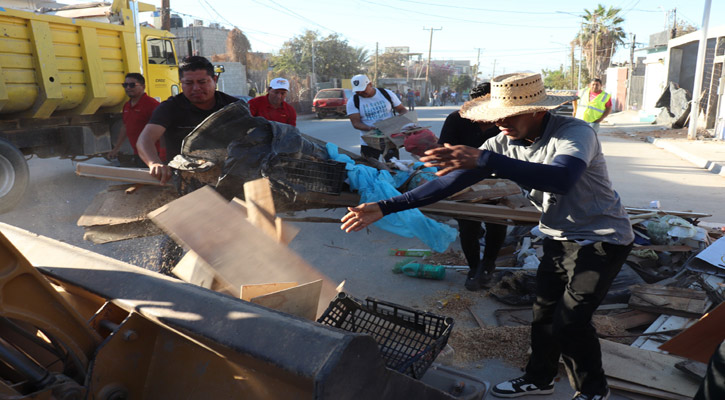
[(581, 58), (631, 70), (375, 77), (475, 72), (494, 69), (430, 47), (699, 70), (165, 15), (314, 76), (571, 71), (593, 72), (674, 24)]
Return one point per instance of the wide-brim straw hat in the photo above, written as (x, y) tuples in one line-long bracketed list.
[(513, 94)]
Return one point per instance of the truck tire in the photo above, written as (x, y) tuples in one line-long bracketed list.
[(13, 176)]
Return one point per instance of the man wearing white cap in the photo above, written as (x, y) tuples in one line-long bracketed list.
[(272, 105), (558, 160), (368, 106)]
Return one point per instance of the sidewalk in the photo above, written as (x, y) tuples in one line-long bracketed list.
[(708, 153)]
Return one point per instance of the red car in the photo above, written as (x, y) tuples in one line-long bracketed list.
[(331, 101)]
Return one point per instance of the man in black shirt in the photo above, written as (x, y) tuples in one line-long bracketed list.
[(458, 130), (179, 115)]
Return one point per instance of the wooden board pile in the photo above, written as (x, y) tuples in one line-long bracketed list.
[(239, 248)]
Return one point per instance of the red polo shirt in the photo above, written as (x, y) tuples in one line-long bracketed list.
[(260, 107), (135, 118)]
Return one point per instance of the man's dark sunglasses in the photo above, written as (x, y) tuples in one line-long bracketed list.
[(129, 85)]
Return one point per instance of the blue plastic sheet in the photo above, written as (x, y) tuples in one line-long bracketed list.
[(374, 185)]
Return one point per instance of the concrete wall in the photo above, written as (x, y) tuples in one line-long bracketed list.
[(655, 79), (205, 41), (617, 86), (234, 79)]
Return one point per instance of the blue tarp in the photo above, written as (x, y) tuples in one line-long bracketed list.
[(374, 185)]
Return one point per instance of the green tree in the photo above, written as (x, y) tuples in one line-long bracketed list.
[(333, 57), (390, 65), (600, 35), (439, 75), (462, 83), (557, 79)]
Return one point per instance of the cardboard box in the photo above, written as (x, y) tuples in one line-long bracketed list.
[(393, 125)]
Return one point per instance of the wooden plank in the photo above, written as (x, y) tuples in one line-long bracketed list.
[(673, 248), (260, 205), (100, 234), (485, 192), (218, 232), (132, 175), (694, 369), (285, 232), (194, 270), (251, 291), (634, 318), (114, 206), (682, 214), (300, 300), (648, 393), (669, 300), (646, 368), (700, 341)]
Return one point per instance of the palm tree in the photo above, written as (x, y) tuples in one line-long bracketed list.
[(600, 35)]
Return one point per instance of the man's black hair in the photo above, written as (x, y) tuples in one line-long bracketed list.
[(195, 63), (599, 81), (136, 76), (481, 90)]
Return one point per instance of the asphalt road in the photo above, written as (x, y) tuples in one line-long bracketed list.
[(640, 172)]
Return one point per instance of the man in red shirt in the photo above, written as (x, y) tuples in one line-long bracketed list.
[(136, 114), (272, 106)]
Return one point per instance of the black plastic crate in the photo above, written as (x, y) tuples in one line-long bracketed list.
[(315, 176), (409, 340)]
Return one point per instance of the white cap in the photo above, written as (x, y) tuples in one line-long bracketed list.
[(279, 83), (359, 83)]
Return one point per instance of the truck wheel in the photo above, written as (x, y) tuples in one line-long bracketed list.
[(13, 176), (320, 115)]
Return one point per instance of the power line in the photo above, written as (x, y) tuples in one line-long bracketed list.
[(463, 20), (479, 9)]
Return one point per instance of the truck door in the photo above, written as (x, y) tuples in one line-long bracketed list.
[(162, 72)]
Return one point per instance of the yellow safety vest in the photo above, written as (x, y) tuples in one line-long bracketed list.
[(591, 111)]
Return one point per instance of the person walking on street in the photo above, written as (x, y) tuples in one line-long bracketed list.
[(460, 131), (272, 106), (559, 161), (368, 106), (593, 104), (410, 96), (136, 114)]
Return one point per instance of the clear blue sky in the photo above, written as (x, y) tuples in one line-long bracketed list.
[(518, 35)]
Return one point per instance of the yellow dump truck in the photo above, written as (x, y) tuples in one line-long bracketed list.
[(60, 83)]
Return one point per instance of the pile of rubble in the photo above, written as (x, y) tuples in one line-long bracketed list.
[(659, 324)]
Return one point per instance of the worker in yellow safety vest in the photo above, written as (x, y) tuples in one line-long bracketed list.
[(594, 104)]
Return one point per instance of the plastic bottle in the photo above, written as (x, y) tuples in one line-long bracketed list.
[(426, 271)]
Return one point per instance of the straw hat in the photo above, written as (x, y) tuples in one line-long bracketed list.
[(513, 94)]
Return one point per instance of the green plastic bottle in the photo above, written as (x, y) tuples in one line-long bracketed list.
[(426, 271)]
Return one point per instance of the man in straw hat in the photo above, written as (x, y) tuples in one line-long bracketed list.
[(559, 161)]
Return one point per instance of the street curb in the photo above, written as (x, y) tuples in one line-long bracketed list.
[(714, 167)]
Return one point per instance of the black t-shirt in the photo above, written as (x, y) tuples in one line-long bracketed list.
[(180, 117), (458, 130)]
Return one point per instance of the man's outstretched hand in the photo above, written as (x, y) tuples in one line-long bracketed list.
[(450, 158), (160, 171), (361, 216)]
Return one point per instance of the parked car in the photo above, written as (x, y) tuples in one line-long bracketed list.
[(331, 101), (245, 98)]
